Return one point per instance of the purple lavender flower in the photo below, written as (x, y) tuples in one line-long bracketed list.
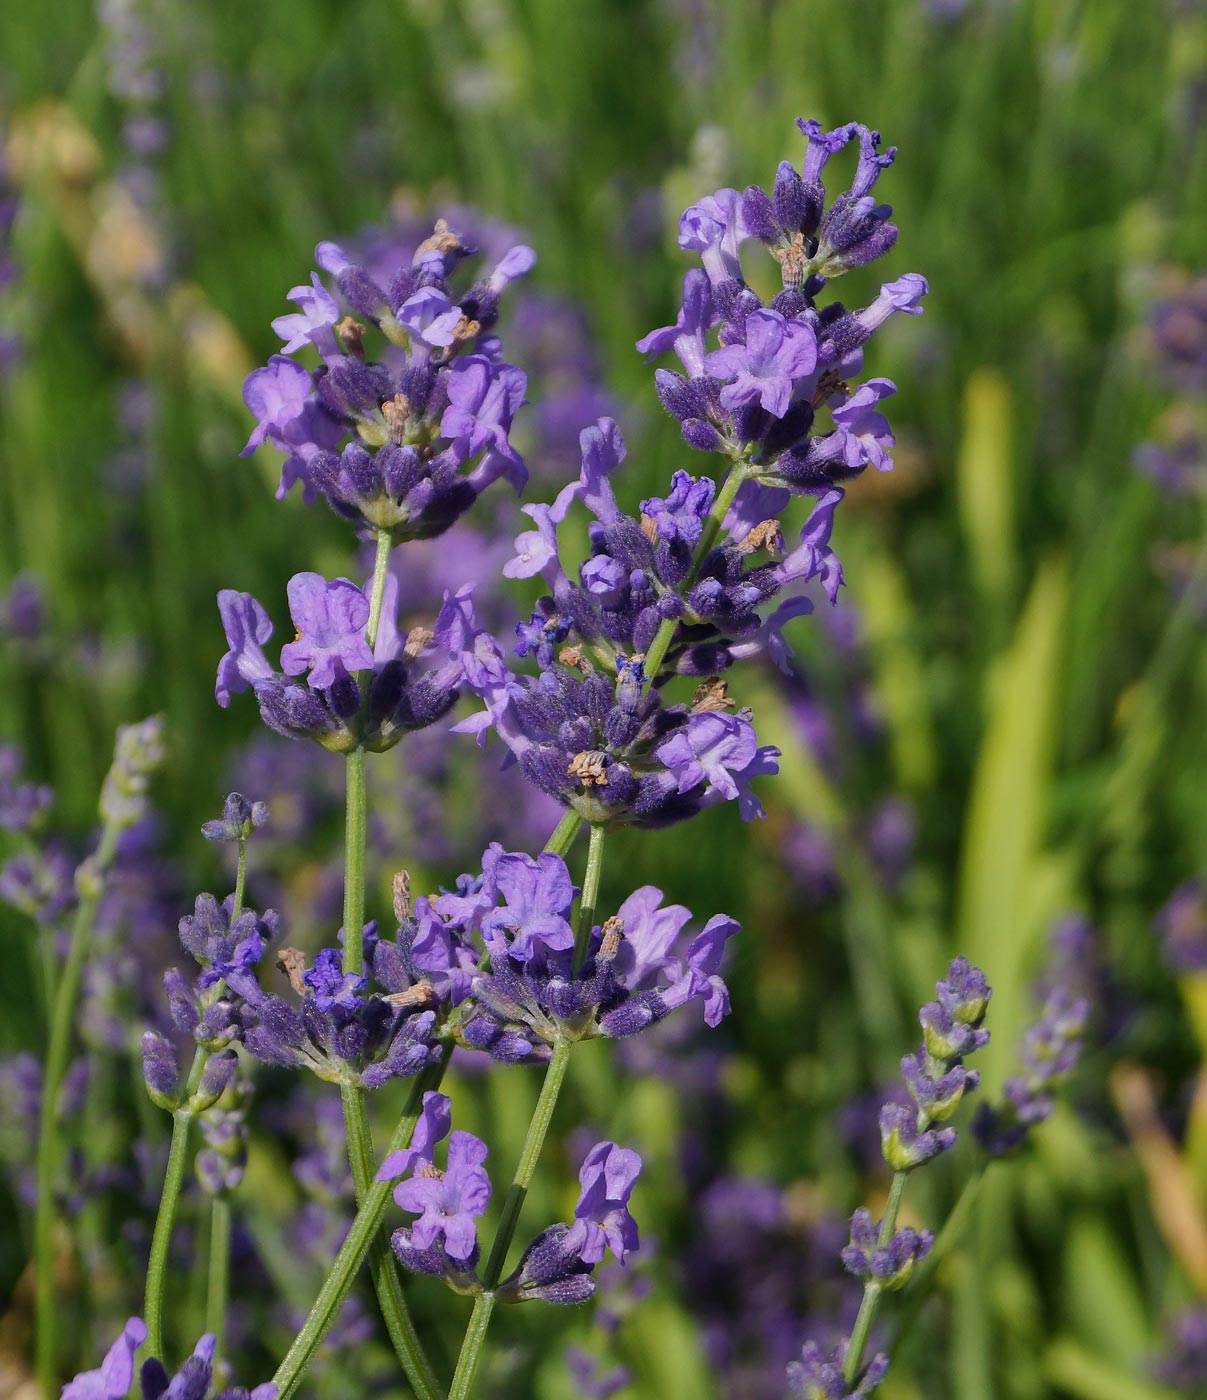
[(679, 516), (537, 895), (935, 1077), (591, 1379), (1183, 1361), (333, 988), (228, 948), (448, 1202), (888, 1265), (601, 1217), (639, 967), (330, 619), (433, 1126), (312, 324), (116, 1373), (765, 370)]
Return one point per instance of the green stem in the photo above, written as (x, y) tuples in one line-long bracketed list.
[(657, 649), (162, 1238), (871, 1289), (475, 1334), (409, 1349), (359, 1239), (240, 881), (381, 567), (590, 897), (58, 1050), (219, 1270), (945, 1241), (563, 834)]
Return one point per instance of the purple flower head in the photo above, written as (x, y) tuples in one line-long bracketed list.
[(714, 228), (591, 1379), (864, 431), (277, 395), (1182, 1363), (888, 1265), (817, 1376), (537, 895), (330, 619), (247, 627), (679, 516), (116, 1372), (313, 323), (433, 1126), (904, 1145), (776, 356), (716, 749), (449, 1202), (536, 550), (903, 295), (227, 948), (333, 988), (601, 1217)]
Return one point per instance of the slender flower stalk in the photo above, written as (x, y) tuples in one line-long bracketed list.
[(590, 896), (475, 1334), (65, 999), (218, 1279), (355, 1246)]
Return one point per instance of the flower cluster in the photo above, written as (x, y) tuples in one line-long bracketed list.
[(387, 441), (342, 1028), (556, 1266), (1050, 1050), (115, 1375), (635, 969), (356, 691), (22, 805), (888, 1265), (238, 820), (600, 742), (758, 394), (935, 1077), (817, 1376)]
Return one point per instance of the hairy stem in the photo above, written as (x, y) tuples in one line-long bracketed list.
[(352, 1252), (872, 1290), (157, 1264), (58, 1051), (475, 1335), (218, 1285), (590, 896), (405, 1339)]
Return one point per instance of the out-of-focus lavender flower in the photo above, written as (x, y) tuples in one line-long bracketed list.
[(1179, 335), (221, 1162), (817, 1376), (1050, 1050), (888, 1265), (40, 884), (1182, 1362), (638, 967), (23, 607), (1181, 927), (239, 819), (22, 805), (592, 1378), (138, 753), (1179, 467)]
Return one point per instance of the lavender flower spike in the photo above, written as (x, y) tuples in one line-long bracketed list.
[(817, 1376)]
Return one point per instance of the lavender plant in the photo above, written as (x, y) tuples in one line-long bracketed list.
[(403, 423)]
